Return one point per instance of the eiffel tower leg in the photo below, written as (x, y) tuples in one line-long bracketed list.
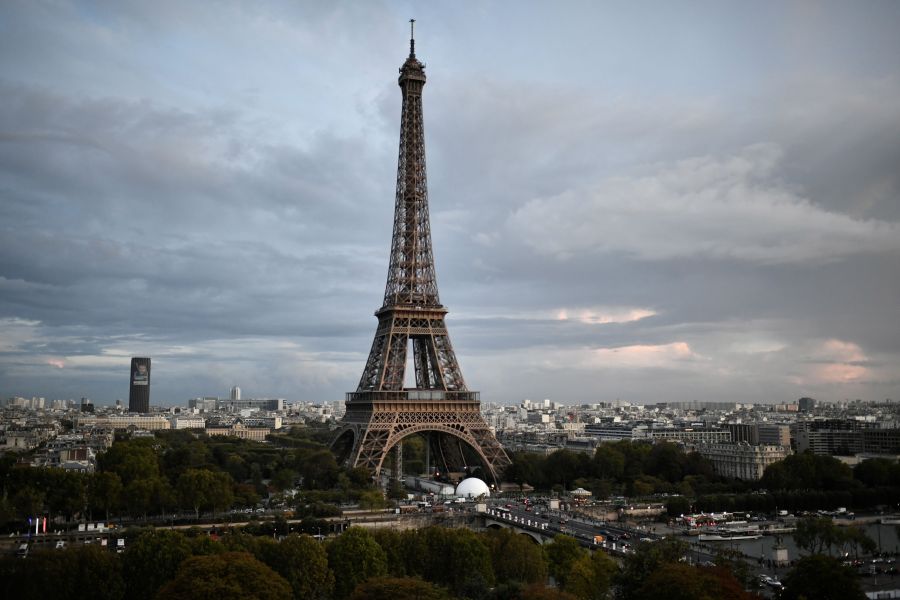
[(397, 467)]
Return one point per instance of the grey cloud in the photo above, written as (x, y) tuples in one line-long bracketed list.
[(727, 208), (243, 158)]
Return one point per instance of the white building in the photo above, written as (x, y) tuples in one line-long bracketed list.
[(742, 461)]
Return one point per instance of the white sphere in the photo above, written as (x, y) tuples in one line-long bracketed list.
[(472, 488)]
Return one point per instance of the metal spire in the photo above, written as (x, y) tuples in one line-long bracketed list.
[(412, 39)]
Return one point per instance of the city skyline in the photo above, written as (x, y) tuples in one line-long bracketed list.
[(644, 203)]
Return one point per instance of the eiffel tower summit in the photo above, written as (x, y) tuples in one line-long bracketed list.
[(440, 408)]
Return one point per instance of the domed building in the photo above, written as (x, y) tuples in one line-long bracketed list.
[(472, 488)]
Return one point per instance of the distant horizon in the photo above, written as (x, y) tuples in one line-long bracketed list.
[(124, 401)]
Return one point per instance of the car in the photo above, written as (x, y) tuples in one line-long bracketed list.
[(22, 552)]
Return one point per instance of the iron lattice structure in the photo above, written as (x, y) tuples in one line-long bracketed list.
[(381, 412)]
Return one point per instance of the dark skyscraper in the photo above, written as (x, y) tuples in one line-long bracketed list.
[(139, 394)]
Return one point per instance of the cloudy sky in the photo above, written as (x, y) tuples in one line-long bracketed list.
[(643, 201)]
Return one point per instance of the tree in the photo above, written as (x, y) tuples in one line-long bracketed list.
[(130, 460), (201, 488), (646, 560), (679, 581), (807, 471), (283, 479), (398, 588), (105, 492), (66, 491), (609, 462), (457, 559), (226, 576), (392, 543), (856, 539), (372, 500), (318, 469), (303, 562), (537, 591), (77, 573), (590, 577), (823, 578), (816, 534), (516, 557), (562, 553), (356, 556), (28, 502), (677, 506), (878, 472), (143, 496), (151, 560)]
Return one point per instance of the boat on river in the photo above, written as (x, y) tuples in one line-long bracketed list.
[(727, 537)]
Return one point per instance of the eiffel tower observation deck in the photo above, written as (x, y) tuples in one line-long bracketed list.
[(382, 412)]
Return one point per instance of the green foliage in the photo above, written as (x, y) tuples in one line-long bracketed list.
[(356, 556), (457, 559), (635, 468), (823, 578), (808, 471), (679, 581), (151, 560), (318, 469), (516, 557), (81, 572), (590, 577), (647, 559), (397, 588), (677, 506), (104, 492), (878, 472), (372, 500), (392, 543), (537, 591), (562, 553), (303, 563), (817, 535), (200, 488), (226, 576)]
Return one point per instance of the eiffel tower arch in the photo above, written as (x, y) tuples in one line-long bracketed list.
[(382, 412)]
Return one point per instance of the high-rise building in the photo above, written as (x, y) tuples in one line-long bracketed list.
[(806, 404), (235, 393), (139, 392), (743, 432), (774, 434)]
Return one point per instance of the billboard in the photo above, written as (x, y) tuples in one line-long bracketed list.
[(140, 375)]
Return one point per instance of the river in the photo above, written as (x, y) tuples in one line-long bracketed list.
[(885, 537)]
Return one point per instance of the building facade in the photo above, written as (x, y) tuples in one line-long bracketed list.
[(139, 391), (773, 434), (742, 460)]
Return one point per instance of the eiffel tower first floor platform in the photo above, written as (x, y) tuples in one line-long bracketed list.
[(376, 422)]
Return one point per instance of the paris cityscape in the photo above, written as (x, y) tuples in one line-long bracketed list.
[(663, 237)]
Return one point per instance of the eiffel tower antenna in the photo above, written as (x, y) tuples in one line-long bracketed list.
[(412, 37), (381, 412)]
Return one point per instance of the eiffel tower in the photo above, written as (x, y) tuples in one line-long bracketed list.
[(382, 412)]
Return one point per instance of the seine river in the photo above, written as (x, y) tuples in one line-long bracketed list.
[(884, 535)]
